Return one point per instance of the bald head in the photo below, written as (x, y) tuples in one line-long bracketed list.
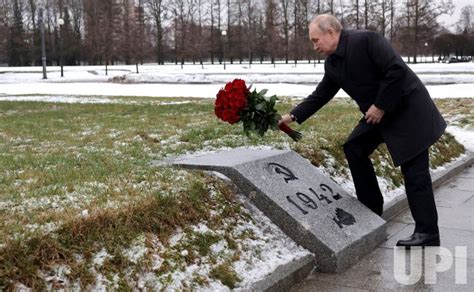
[(326, 21)]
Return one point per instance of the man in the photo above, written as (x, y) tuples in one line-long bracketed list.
[(397, 110)]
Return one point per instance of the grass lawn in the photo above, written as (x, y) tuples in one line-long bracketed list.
[(76, 182)]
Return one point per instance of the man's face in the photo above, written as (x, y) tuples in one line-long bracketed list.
[(323, 43)]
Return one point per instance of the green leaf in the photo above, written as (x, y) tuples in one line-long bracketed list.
[(263, 92), (273, 98), (251, 125), (270, 99)]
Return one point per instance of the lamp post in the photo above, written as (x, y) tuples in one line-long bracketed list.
[(426, 50), (61, 23), (43, 47), (224, 34)]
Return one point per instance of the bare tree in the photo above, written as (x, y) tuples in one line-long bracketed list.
[(108, 31), (17, 47), (228, 44), (200, 32), (92, 22), (192, 41), (212, 38), (466, 20), (392, 17), (357, 11), (464, 41), (111, 31), (234, 30), (420, 25), (251, 27), (76, 9), (301, 48), (239, 32), (332, 8), (217, 13), (35, 45), (182, 17), (271, 30), (157, 10), (318, 6), (286, 27), (127, 28), (69, 42), (425, 14), (296, 26), (261, 38), (140, 33), (369, 14), (102, 31), (383, 15), (4, 34)]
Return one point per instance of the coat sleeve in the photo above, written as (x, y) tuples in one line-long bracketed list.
[(392, 70), (324, 92)]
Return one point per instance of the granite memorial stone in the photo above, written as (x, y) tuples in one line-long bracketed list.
[(308, 206)]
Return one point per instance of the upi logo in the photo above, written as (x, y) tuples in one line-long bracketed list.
[(427, 263)]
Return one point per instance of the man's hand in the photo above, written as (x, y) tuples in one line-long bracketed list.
[(286, 119), (374, 115)]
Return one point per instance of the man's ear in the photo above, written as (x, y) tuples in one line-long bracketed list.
[(330, 31)]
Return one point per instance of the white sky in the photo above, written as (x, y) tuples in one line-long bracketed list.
[(449, 21)]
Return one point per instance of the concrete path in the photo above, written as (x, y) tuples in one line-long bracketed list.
[(452, 271)]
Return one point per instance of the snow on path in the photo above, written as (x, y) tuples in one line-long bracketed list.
[(194, 81), (193, 90)]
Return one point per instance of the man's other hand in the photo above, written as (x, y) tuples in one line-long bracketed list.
[(374, 115), (286, 119)]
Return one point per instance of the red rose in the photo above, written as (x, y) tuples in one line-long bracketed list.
[(239, 100), (218, 112), (240, 85), (235, 103), (231, 100), (232, 117), (228, 87)]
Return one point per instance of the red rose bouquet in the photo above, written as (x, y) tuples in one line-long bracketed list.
[(236, 103)]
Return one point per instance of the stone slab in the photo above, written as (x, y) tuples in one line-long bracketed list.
[(309, 207), (285, 276)]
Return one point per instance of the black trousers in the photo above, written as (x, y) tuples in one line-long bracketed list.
[(415, 172)]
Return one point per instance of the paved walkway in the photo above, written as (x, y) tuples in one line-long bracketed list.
[(455, 202)]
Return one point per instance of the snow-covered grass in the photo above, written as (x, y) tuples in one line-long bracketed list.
[(82, 207), (80, 202)]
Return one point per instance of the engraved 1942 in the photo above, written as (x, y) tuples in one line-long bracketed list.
[(308, 201)]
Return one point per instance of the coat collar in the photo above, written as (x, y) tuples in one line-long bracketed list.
[(341, 46)]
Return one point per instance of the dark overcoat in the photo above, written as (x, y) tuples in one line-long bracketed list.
[(367, 68)]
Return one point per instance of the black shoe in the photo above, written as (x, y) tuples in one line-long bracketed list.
[(420, 239)]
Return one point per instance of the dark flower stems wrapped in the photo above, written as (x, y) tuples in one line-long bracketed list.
[(295, 135)]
